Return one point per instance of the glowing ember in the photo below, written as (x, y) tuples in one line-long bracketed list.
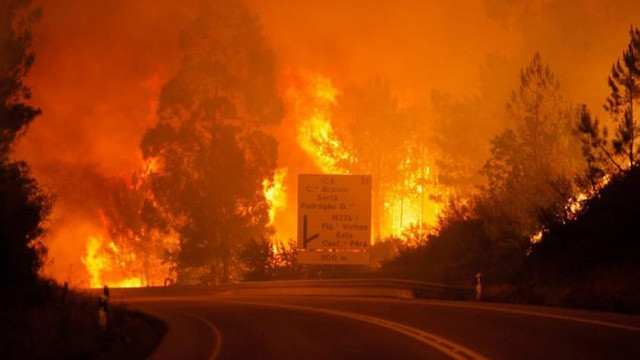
[(536, 238)]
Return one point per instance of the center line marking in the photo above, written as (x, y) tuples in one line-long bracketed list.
[(449, 348), (218, 342)]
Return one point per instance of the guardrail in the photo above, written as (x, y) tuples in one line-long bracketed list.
[(415, 289), (345, 287)]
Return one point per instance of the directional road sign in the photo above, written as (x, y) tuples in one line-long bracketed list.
[(334, 219)]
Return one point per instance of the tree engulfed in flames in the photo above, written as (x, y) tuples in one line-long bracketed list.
[(132, 259), (101, 259), (311, 100), (412, 197), (416, 200), (275, 193)]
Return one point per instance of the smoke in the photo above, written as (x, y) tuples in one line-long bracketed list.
[(97, 77), (100, 67), (424, 45)]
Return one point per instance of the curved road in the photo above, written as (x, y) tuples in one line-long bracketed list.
[(312, 327)]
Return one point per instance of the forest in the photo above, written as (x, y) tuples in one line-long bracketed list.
[(172, 159)]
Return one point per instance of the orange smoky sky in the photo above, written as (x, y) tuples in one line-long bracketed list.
[(100, 66), (420, 46)]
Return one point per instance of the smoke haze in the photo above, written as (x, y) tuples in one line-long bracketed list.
[(100, 67)]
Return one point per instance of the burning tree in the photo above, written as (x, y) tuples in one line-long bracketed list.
[(140, 239), (212, 156), (362, 129), (376, 129)]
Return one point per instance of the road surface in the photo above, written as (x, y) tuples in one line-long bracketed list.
[(324, 327)]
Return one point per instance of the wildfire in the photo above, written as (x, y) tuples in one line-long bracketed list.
[(411, 196), (98, 262), (576, 203), (134, 258), (312, 104), (275, 193), (415, 199)]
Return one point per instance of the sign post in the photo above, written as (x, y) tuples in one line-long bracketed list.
[(334, 219)]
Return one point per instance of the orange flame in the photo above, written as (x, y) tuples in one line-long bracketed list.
[(312, 105), (413, 197), (275, 193), (137, 260), (98, 263)]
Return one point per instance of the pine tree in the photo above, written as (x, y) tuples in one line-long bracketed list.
[(618, 155), (529, 161), (624, 82)]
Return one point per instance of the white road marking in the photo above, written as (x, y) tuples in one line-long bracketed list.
[(218, 341), (489, 307), (449, 348), (546, 315), (493, 307)]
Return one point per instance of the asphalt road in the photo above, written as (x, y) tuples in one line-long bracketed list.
[(324, 327)]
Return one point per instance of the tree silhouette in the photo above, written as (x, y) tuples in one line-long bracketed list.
[(259, 260), (212, 155), (624, 82), (23, 205), (528, 161), (594, 255), (620, 153)]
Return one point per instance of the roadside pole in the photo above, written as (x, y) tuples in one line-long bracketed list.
[(103, 308)]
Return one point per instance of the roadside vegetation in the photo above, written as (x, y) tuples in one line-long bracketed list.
[(40, 319), (556, 222), (56, 323)]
